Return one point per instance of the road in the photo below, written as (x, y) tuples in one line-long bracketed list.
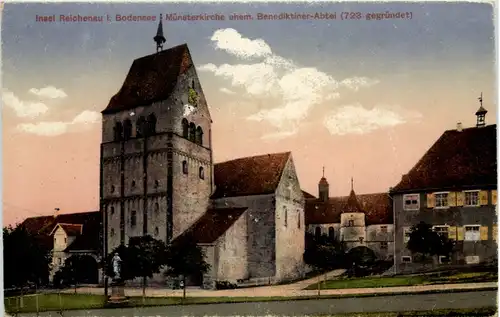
[(396, 303)]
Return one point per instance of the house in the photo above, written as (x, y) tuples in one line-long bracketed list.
[(357, 220), (453, 187)]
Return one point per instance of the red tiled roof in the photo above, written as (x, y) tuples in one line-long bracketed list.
[(458, 159), (377, 209), (213, 224), (256, 175), (151, 78)]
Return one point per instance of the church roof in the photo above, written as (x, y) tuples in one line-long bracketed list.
[(352, 204), (377, 209), (256, 175), (151, 78), (458, 159), (307, 195), (213, 224)]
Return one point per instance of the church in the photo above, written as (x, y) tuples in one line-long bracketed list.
[(158, 178)]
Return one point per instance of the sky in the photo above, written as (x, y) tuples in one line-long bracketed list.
[(361, 98)]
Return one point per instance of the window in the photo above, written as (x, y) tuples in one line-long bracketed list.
[(317, 232), (331, 233), (350, 223), (406, 235), (192, 132), (201, 173), (118, 131), (139, 127), (112, 188), (472, 233), (185, 128), (298, 219), (471, 198), (383, 229), (151, 124), (156, 231), (112, 210), (133, 218), (199, 136), (361, 239), (157, 184), (384, 245), (65, 240), (441, 230), (406, 259), (157, 208), (184, 167), (472, 259), (286, 216), (411, 202), (443, 259), (133, 184), (441, 200), (112, 232), (59, 261), (127, 129)]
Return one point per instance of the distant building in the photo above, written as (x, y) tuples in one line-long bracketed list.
[(453, 187), (357, 220), (158, 178), (70, 234)]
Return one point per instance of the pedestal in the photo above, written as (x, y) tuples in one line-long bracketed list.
[(117, 294)]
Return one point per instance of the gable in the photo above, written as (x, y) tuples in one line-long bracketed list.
[(256, 175), (457, 159)]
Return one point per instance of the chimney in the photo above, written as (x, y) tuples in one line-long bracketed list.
[(459, 126)]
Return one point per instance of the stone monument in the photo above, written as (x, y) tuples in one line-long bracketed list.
[(117, 284)]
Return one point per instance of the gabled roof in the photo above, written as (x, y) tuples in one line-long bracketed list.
[(71, 230), (151, 78), (377, 209), (458, 159), (352, 203), (307, 195), (44, 225), (213, 224), (256, 175)]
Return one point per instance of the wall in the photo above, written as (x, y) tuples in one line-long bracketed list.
[(377, 238), (324, 227), (233, 252), (355, 235), (261, 233), (290, 225), (455, 217)]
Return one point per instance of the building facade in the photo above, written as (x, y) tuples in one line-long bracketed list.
[(453, 187), (357, 220)]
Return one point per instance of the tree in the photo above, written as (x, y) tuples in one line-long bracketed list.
[(323, 253), (426, 242), (73, 271), (142, 257), (185, 258), (26, 258)]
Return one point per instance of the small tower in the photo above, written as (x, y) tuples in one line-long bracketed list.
[(481, 113), (323, 188), (159, 38), (352, 202)]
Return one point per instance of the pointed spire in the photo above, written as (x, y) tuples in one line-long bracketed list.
[(323, 172), (352, 184), (352, 201), (481, 113), (159, 38)]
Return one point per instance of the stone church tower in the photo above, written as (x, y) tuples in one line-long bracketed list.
[(156, 151)]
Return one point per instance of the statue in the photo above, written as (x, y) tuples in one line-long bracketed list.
[(116, 266)]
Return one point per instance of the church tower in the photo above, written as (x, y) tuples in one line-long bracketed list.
[(481, 113), (323, 188), (156, 151), (352, 221)]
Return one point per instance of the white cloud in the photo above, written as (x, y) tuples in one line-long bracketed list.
[(23, 109), (296, 89), (231, 41), (49, 92), (54, 128), (227, 91), (355, 83), (355, 119)]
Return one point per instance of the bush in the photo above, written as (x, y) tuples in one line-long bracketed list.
[(225, 285)]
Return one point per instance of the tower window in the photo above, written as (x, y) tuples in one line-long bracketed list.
[(331, 233), (127, 129), (199, 136), (298, 219), (112, 232), (157, 231), (157, 184), (112, 188), (151, 124), (317, 232), (185, 128), (184, 167), (118, 131), (139, 128), (350, 223), (133, 218), (112, 210), (133, 184), (286, 216), (192, 84), (157, 208), (192, 132), (201, 173)]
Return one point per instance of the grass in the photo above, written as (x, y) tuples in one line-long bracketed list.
[(54, 302), (375, 282)]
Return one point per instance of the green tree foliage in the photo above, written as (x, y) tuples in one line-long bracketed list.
[(26, 258), (426, 242), (75, 270), (324, 253), (185, 258)]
